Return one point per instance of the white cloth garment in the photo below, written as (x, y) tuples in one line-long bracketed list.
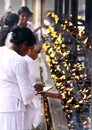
[(32, 68), (11, 121), (32, 116), (30, 26), (15, 89), (33, 112), (7, 40)]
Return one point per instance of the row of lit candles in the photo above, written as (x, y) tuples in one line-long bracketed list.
[(57, 57)]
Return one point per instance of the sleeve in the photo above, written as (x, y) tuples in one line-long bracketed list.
[(32, 71), (25, 85)]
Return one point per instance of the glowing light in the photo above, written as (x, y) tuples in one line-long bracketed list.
[(67, 71)]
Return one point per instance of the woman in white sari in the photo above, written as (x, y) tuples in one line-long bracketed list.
[(15, 85), (32, 117), (33, 113)]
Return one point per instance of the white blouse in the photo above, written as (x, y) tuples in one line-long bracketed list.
[(15, 84), (32, 68), (30, 26), (33, 112)]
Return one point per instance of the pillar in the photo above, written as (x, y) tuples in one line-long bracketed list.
[(59, 8), (74, 12), (24, 2), (37, 15), (67, 8), (88, 16), (7, 6), (42, 11)]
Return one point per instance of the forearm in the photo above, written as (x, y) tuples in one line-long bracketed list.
[(52, 95), (35, 30)]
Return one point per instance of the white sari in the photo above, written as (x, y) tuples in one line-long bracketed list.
[(15, 89), (33, 111)]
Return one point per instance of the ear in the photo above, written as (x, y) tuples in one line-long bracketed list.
[(29, 50), (24, 46)]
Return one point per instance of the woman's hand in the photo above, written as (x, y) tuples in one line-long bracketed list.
[(52, 95)]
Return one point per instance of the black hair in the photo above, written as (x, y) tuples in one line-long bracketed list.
[(3, 34), (23, 34), (23, 9), (31, 13), (10, 19)]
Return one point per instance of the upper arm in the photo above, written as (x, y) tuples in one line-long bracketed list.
[(24, 82)]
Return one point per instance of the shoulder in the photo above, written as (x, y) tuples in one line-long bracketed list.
[(29, 23), (29, 61), (7, 40), (20, 60), (27, 58), (15, 58), (21, 65), (30, 26)]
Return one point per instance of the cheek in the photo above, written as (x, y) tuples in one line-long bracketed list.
[(23, 19), (20, 18), (25, 51)]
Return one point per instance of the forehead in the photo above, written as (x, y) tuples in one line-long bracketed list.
[(37, 51), (24, 14)]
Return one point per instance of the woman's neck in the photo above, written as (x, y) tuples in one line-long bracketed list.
[(22, 24), (13, 47)]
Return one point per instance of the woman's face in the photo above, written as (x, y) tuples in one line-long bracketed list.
[(23, 18), (33, 53)]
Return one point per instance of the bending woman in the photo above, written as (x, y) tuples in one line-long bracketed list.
[(15, 90)]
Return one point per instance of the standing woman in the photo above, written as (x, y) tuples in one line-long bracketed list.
[(23, 13), (32, 117), (26, 18), (15, 90), (9, 21)]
